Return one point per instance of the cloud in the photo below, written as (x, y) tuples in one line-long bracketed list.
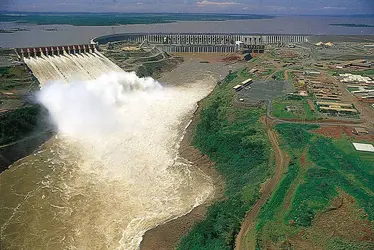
[(212, 3)]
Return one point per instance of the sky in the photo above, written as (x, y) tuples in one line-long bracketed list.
[(292, 7)]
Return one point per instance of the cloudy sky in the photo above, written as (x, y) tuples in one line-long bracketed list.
[(313, 7)]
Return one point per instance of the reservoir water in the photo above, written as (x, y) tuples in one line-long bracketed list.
[(44, 35)]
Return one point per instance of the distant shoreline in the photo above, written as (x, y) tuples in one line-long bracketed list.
[(116, 19), (352, 25)]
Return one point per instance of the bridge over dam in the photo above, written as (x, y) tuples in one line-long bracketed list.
[(203, 43)]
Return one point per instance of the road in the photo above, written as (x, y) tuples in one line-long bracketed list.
[(249, 220)]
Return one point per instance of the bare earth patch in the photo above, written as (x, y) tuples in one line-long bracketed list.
[(342, 220)]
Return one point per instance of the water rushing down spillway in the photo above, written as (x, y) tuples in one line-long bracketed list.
[(70, 67), (113, 170)]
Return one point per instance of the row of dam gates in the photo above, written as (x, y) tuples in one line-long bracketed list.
[(179, 43), (203, 43)]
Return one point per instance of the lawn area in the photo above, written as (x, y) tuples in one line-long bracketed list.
[(279, 76), (302, 109), (350, 89), (321, 171), (235, 139), (268, 72)]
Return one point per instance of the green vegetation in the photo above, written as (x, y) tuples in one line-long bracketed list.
[(353, 25), (350, 89), (320, 169), (268, 72), (16, 77), (299, 106), (105, 19), (279, 76), (368, 72), (18, 123), (237, 142)]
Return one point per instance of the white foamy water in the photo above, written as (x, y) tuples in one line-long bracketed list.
[(113, 171)]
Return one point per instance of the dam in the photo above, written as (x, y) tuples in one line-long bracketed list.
[(66, 63), (204, 43), (113, 170)]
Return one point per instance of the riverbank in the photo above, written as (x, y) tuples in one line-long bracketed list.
[(167, 236)]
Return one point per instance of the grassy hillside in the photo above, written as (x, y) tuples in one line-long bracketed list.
[(325, 191), (236, 141)]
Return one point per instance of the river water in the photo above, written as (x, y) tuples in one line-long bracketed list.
[(102, 187), (40, 35)]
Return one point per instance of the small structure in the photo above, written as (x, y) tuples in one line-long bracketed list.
[(329, 44), (360, 131), (238, 87), (247, 82), (336, 107), (364, 147), (239, 45), (311, 73), (291, 108)]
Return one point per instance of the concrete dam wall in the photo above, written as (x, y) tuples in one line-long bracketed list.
[(204, 43), (66, 63), (202, 39)]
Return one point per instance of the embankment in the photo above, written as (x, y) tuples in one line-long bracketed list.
[(22, 131), (233, 137)]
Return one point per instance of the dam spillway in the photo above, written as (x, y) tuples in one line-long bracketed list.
[(113, 170), (66, 63)]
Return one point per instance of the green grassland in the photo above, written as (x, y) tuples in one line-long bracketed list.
[(21, 119), (234, 138), (16, 78), (330, 167), (19, 123), (302, 111), (279, 76)]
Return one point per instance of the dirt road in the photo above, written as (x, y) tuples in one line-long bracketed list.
[(249, 220)]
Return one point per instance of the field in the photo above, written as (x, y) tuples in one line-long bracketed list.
[(102, 19), (301, 108), (234, 138), (326, 191), (19, 116)]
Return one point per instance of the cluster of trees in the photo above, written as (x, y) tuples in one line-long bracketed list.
[(18, 123)]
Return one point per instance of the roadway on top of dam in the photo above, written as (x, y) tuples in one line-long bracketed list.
[(52, 35)]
